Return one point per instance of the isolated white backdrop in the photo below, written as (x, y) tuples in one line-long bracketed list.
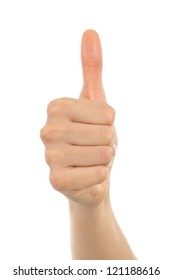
[(40, 61)]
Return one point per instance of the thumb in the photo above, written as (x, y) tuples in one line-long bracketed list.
[(91, 56)]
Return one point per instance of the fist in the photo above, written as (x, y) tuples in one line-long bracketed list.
[(79, 135)]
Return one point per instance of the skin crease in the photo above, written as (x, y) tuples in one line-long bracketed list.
[(80, 145)]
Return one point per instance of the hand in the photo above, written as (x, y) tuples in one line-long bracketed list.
[(79, 135)]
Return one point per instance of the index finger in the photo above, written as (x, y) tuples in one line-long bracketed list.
[(83, 110)]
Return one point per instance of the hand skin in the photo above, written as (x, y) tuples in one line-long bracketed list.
[(81, 141)]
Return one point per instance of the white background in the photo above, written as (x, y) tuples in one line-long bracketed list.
[(40, 61)]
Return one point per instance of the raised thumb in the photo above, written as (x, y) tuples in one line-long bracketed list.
[(91, 56)]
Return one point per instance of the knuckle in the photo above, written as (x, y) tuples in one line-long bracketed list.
[(110, 114), (52, 133), (101, 173), (52, 105), (48, 133), (107, 135), (56, 105), (52, 158), (55, 180), (43, 134), (93, 64), (106, 154)]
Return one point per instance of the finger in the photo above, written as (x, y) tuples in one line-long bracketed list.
[(77, 178), (81, 156), (82, 110), (81, 134), (91, 56)]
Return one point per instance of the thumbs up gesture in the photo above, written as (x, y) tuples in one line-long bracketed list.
[(79, 135)]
